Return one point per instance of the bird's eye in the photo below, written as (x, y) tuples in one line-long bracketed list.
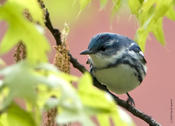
[(102, 48)]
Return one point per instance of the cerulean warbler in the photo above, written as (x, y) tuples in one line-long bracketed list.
[(116, 61)]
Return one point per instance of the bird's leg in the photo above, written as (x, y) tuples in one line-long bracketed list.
[(130, 100)]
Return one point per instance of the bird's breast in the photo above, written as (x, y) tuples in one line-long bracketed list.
[(119, 79)]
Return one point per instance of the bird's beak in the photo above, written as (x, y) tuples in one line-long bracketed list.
[(86, 52)]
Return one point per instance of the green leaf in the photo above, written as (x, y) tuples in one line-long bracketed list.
[(62, 89), (33, 7), (92, 97), (134, 6), (141, 1), (162, 7), (158, 31), (3, 119), (21, 29), (122, 118), (119, 118), (47, 67), (71, 113), (44, 95), (4, 92), (103, 3), (147, 4), (150, 18), (57, 7), (68, 116), (22, 77), (103, 119), (54, 70), (27, 78), (16, 116), (116, 6), (1, 123), (145, 15), (83, 4), (171, 14), (141, 36), (70, 106)]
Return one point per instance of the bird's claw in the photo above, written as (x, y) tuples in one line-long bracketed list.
[(130, 100)]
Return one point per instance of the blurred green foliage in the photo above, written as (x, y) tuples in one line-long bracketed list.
[(35, 84), (62, 11), (149, 13), (20, 29)]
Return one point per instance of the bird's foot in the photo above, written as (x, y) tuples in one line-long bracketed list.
[(130, 100)]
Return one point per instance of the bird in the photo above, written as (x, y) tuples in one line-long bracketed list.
[(117, 62)]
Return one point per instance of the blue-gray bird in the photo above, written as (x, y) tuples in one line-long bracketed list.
[(116, 62)]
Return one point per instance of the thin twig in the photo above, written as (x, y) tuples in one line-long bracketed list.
[(55, 32), (76, 64), (57, 35)]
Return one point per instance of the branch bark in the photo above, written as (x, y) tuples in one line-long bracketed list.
[(57, 35)]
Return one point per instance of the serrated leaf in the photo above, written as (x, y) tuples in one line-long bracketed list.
[(16, 116), (134, 5), (33, 7), (158, 31), (21, 29), (116, 6), (103, 3)]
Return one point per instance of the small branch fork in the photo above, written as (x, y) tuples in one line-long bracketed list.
[(57, 35)]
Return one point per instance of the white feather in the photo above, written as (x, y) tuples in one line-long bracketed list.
[(98, 60), (119, 79)]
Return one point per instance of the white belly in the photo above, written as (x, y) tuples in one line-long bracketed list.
[(120, 79)]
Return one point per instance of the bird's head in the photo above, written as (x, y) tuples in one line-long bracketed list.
[(104, 48)]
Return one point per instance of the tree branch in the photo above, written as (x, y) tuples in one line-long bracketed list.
[(76, 64), (55, 32), (57, 35)]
